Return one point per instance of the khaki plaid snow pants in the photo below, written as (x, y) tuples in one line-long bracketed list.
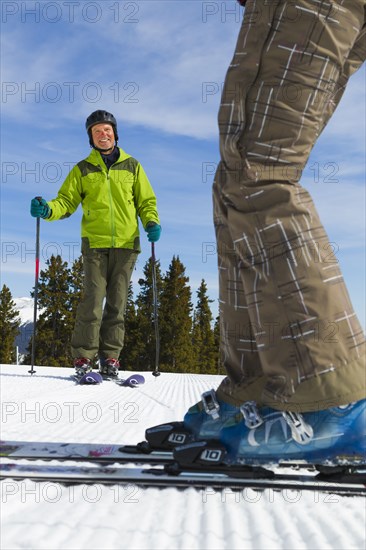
[(289, 336), (98, 329)]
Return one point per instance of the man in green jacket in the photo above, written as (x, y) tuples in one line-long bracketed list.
[(114, 192)]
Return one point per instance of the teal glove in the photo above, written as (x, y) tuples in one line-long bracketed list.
[(153, 232), (39, 208)]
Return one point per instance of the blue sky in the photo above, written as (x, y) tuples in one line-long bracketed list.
[(158, 65)]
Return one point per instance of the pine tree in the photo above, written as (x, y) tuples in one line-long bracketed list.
[(76, 285), (203, 338), (144, 335), (175, 320), (9, 326), (53, 335), (130, 352), (76, 277)]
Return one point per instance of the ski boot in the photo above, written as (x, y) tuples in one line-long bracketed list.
[(108, 368), (334, 436), (204, 420), (82, 366)]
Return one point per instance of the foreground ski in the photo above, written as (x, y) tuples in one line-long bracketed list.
[(105, 454), (133, 381), (88, 379), (158, 476), (160, 451), (87, 452), (95, 378)]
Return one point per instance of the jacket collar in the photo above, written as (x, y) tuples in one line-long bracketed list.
[(96, 158)]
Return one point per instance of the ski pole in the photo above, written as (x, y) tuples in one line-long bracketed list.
[(32, 371), (156, 320)]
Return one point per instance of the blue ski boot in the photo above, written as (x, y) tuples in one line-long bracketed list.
[(335, 436)]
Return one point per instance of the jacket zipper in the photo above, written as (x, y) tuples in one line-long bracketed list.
[(111, 209)]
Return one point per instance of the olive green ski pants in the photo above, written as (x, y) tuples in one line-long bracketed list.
[(290, 338), (99, 326)]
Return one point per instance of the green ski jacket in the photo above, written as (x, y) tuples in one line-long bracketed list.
[(112, 200)]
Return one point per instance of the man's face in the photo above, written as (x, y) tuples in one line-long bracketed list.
[(103, 137)]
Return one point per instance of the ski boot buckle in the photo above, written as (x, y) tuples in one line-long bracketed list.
[(301, 432), (210, 404), (252, 418)]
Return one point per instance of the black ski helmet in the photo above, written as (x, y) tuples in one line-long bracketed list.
[(98, 117)]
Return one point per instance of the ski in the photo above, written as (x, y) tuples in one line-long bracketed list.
[(106, 453), (133, 381), (161, 441), (173, 476), (91, 378), (95, 378), (87, 452), (102, 453)]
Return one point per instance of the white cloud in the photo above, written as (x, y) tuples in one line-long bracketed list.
[(156, 68)]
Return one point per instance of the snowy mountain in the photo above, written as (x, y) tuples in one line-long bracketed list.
[(48, 406), (25, 308)]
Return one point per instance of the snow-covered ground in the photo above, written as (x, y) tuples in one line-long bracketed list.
[(49, 407)]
